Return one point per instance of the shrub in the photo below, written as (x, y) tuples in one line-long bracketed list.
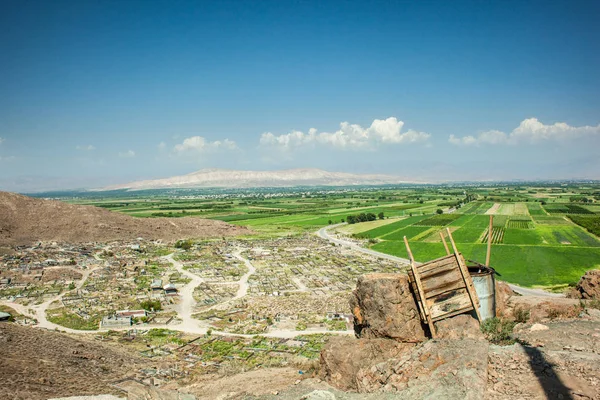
[(594, 304), (498, 331), (555, 312), (184, 244), (521, 315), (301, 326), (150, 305)]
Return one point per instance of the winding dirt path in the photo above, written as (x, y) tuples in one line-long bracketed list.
[(38, 312), (243, 282), (185, 308)]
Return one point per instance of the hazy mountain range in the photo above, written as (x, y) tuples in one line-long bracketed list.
[(225, 178)]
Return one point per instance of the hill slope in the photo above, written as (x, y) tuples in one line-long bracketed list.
[(246, 179), (38, 364), (24, 220)]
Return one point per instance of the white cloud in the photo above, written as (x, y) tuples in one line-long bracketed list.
[(1, 140), (349, 136), (89, 147), (127, 154), (9, 158), (200, 144), (161, 146), (529, 131)]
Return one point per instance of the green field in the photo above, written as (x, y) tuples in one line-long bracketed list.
[(541, 250), (543, 234), (535, 209)]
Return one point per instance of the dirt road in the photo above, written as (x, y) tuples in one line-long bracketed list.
[(185, 309), (325, 235), (38, 311), (187, 304), (243, 282)]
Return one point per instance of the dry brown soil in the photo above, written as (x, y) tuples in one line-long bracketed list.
[(38, 364), (24, 220)]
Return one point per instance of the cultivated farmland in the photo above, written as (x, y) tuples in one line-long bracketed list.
[(558, 244), (543, 234)]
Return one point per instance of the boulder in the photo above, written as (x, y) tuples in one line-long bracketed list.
[(589, 285), (543, 308), (445, 369), (437, 369), (343, 357), (384, 307), (503, 294), (462, 326)]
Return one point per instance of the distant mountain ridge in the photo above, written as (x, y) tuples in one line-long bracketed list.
[(225, 178)]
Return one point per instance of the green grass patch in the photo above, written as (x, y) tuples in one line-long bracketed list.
[(550, 220), (591, 224), (522, 236), (535, 209), (565, 208), (519, 224), (467, 235), (476, 207), (567, 235), (524, 265), (499, 221), (386, 229), (439, 220), (68, 319), (409, 232)]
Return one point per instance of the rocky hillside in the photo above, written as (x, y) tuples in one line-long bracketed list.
[(38, 364), (25, 220)]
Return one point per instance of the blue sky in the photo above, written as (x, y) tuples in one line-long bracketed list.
[(100, 92)]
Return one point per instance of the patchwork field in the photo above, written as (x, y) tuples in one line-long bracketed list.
[(543, 234), (540, 250)]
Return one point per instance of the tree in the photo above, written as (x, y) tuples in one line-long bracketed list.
[(183, 244), (151, 305), (330, 222), (371, 217), (351, 219), (380, 215), (439, 211)]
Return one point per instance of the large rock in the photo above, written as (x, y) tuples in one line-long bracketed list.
[(343, 357), (462, 326), (384, 307), (437, 369), (589, 285), (543, 308), (503, 294)]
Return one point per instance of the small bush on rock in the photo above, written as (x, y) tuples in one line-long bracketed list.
[(498, 331)]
